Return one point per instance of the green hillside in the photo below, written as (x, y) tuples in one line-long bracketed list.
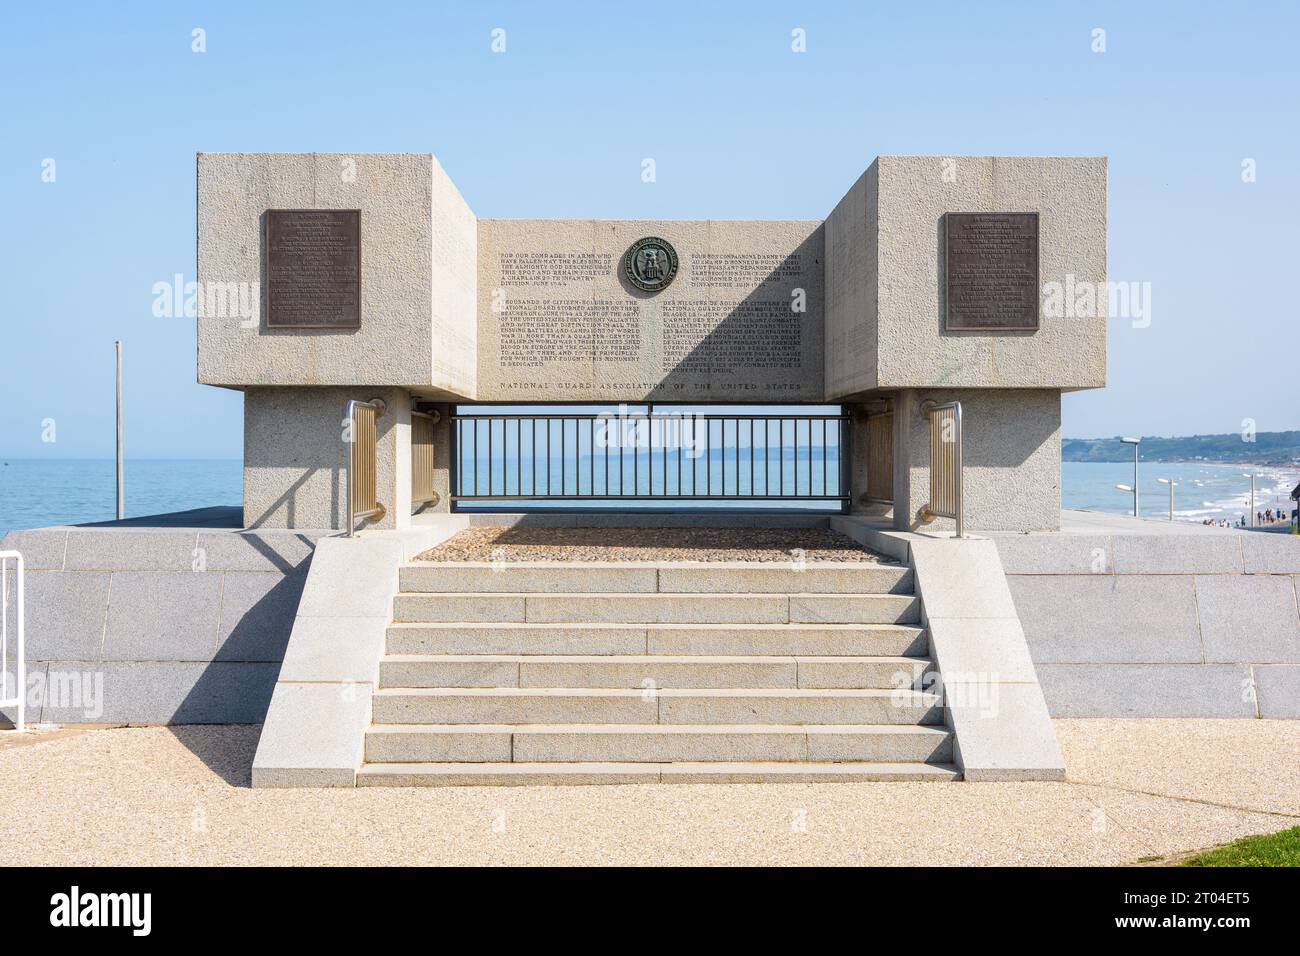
[(1268, 448)]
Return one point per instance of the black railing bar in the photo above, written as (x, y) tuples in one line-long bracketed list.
[(643, 498), (681, 440), (736, 446), (665, 457), (825, 456), (767, 464), (630, 418), (810, 451), (751, 458), (695, 437), (722, 458)]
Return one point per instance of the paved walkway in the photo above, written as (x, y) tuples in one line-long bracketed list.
[(1138, 788)]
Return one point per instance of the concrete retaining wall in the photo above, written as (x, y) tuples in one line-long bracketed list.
[(1198, 624), (154, 626), (149, 626)]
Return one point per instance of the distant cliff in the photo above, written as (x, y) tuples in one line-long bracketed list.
[(1268, 448)]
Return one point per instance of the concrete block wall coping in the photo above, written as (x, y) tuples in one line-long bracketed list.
[(1114, 544), (163, 549)]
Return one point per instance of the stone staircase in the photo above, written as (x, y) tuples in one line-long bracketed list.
[(577, 673)]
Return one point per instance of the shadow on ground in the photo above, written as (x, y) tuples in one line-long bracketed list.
[(225, 749)]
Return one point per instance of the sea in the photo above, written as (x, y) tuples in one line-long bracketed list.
[(1202, 491), (37, 493)]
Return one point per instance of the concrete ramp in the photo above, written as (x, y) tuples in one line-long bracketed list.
[(990, 688), (993, 700), (321, 702)]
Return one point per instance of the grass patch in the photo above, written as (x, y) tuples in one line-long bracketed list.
[(1269, 849)]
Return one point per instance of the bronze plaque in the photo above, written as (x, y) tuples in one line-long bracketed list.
[(991, 271), (313, 268), (650, 264)]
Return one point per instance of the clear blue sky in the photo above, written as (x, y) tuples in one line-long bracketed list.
[(740, 127)]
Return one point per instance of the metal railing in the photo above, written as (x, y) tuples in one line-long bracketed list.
[(946, 477), (655, 455), (362, 441), (18, 696), (422, 490)]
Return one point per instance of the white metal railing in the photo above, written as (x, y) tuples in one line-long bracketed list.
[(15, 694), (363, 441), (945, 463)]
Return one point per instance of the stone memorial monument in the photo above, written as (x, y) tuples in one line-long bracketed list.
[(922, 285)]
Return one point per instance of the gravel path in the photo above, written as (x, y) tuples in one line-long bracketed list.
[(158, 796), (648, 544)]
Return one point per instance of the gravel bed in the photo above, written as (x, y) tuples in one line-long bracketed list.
[(650, 544)]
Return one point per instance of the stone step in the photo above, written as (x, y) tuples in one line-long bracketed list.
[(643, 577), (578, 774), (661, 608), (575, 705), (641, 671), (638, 743), (851, 640)]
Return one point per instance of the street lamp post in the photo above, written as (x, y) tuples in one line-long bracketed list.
[(1136, 443), (1250, 515), (1172, 484)]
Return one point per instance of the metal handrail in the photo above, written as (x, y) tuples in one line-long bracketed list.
[(880, 457), (422, 458), (946, 469), (20, 692), (361, 491)]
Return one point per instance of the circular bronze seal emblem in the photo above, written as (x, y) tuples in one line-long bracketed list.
[(650, 264)]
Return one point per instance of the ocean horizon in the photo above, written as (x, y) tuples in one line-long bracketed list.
[(37, 493)]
